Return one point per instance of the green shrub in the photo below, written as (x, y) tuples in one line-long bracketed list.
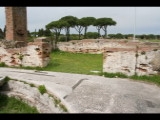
[(113, 75), (92, 35), (6, 79), (42, 89), (32, 85), (62, 38), (2, 64)]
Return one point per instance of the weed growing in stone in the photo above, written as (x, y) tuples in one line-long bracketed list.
[(42, 89), (2, 64), (56, 102), (113, 75), (143, 53)]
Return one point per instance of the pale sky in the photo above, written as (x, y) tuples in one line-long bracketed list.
[(146, 19)]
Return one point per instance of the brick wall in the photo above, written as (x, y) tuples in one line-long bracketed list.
[(35, 54), (16, 23)]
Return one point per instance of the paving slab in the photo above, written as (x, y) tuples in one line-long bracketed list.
[(94, 94)]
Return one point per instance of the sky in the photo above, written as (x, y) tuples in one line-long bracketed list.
[(130, 20)]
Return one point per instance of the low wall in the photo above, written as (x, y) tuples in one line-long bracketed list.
[(95, 46), (32, 54)]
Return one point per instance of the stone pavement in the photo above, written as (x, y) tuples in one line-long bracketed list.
[(93, 94)]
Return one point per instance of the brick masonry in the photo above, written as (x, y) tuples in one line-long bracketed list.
[(35, 54), (16, 23)]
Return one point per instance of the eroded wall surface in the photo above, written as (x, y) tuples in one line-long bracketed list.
[(34, 54), (135, 58)]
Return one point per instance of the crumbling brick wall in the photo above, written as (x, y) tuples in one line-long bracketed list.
[(33, 54)]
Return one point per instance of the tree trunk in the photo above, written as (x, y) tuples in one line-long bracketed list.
[(85, 31), (79, 35), (98, 28), (105, 30), (68, 34)]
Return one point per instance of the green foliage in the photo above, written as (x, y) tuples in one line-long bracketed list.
[(32, 85), (63, 107), (74, 63), (62, 38), (92, 35), (87, 21), (71, 22), (42, 89), (119, 36), (152, 79), (6, 79), (56, 102), (40, 32), (113, 75), (12, 105), (21, 56), (47, 33), (2, 64), (32, 68), (74, 37)]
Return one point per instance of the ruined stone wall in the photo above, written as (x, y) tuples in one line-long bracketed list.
[(34, 54), (140, 59), (95, 46), (128, 57), (80, 46)]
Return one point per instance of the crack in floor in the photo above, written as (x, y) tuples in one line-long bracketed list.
[(34, 73), (76, 85)]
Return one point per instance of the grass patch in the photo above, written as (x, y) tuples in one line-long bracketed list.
[(13, 105), (151, 79), (42, 89), (115, 75), (73, 63), (149, 40)]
